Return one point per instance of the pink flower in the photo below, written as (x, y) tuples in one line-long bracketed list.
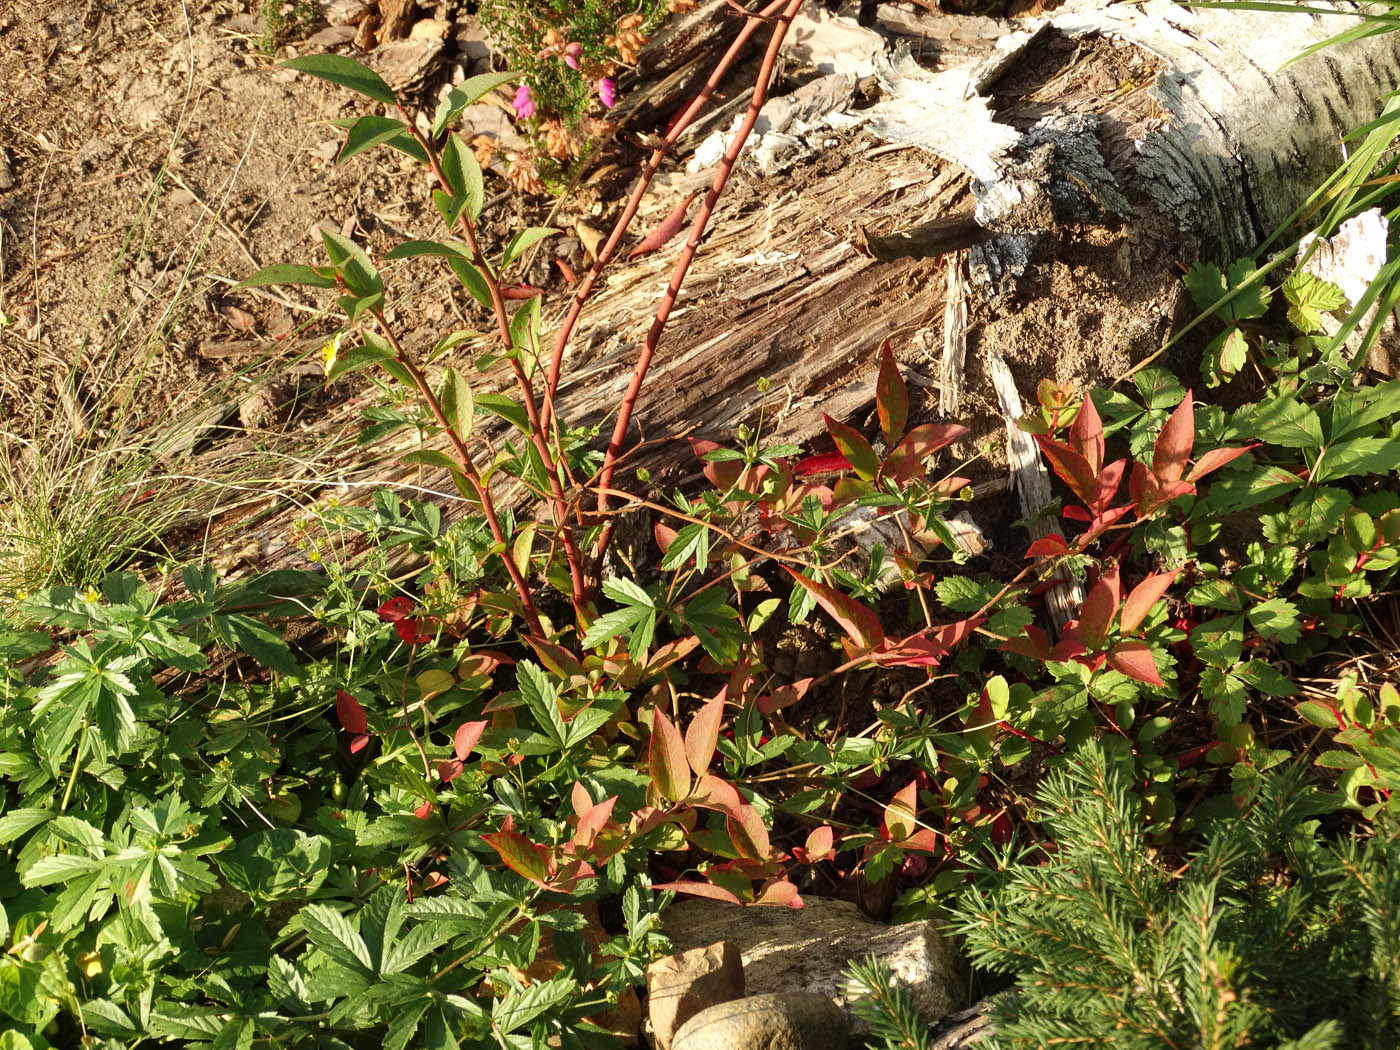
[(523, 103), (571, 55), (607, 91)]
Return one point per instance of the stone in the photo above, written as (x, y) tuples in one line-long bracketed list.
[(680, 986), (774, 1021), (791, 949)]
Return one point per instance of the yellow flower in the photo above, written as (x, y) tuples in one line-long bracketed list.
[(91, 595), (329, 352)]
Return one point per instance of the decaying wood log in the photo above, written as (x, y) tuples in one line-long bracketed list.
[(1099, 148)]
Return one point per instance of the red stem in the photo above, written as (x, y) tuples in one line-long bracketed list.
[(634, 202), (697, 230)]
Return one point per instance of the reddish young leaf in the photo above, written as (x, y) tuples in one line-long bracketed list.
[(1035, 644), (1096, 615), (855, 448), (395, 609), (906, 462), (520, 855), (725, 473), (432, 881), (669, 227), (468, 733), (859, 622), (1134, 659), (1106, 485), (702, 734), (819, 844), (783, 696), (748, 833), (593, 821), (1114, 580), (670, 771), (1215, 459), (1048, 546), (520, 291), (1148, 493), (719, 795), (449, 769), (1073, 468), (424, 811), (351, 714), (898, 823), (414, 631), (699, 889), (780, 892), (1067, 649), (820, 464), (664, 536), (1143, 597), (925, 840), (1173, 446), (1086, 435), (580, 799), (891, 397)]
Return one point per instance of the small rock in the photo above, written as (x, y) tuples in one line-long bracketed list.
[(776, 1021), (346, 12), (7, 176), (808, 948), (331, 36), (179, 196), (680, 986)]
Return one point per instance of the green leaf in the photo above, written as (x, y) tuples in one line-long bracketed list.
[(962, 594), (523, 240), (346, 72), (244, 634), (19, 822), (541, 698), (525, 327), (472, 280), (456, 399), (1160, 388), (1226, 695), (1279, 421), (277, 864), (1263, 676), (520, 1006), (463, 175), (693, 540), (1276, 618), (366, 355), (464, 95), (509, 410), (289, 273), (1225, 356), (1367, 455), (405, 1023), (350, 260), (1310, 297), (368, 132), (333, 934), (717, 624)]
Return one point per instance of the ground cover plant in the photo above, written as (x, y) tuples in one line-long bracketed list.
[(450, 814)]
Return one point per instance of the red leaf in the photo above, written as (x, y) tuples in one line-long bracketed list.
[(719, 795), (819, 844), (468, 733), (1173, 445), (1214, 460), (520, 291), (424, 811), (520, 855), (395, 609), (359, 743), (449, 769), (1097, 614), (925, 840), (782, 893), (891, 397), (859, 622), (1134, 659), (1073, 468), (669, 227), (1035, 644), (821, 464), (1048, 546), (664, 536), (593, 821), (906, 462), (702, 734), (351, 714), (1106, 485), (783, 696), (1143, 597), (413, 631), (1087, 433), (433, 880), (748, 833), (855, 448), (699, 889), (898, 823), (669, 769)]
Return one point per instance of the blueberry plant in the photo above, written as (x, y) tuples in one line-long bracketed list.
[(435, 788)]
